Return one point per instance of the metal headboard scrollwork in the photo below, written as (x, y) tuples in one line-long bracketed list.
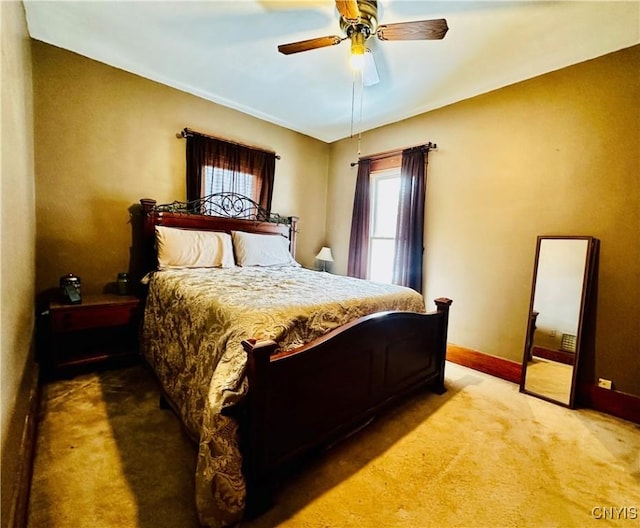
[(225, 212), (225, 205)]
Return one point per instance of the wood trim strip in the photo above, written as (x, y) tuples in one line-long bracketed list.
[(493, 365), (20, 498), (554, 355), (390, 162), (615, 403)]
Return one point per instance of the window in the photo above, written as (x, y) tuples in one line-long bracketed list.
[(385, 192), (217, 179), (381, 248), (215, 165)]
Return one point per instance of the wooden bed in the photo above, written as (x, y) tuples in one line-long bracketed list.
[(338, 382)]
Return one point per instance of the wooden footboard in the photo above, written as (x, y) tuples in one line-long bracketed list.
[(316, 394)]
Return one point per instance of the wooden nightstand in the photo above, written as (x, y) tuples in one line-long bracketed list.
[(103, 328)]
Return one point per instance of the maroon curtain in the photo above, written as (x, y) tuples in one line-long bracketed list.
[(407, 265), (204, 151), (359, 241), (199, 155)]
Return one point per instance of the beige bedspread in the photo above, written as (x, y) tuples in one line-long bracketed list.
[(194, 323)]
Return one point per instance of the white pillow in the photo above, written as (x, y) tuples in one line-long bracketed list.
[(253, 249), (188, 248)]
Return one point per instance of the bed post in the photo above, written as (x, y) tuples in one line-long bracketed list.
[(443, 305), (148, 231), (293, 230), (255, 431)]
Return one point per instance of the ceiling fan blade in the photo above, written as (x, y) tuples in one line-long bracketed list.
[(348, 9), (418, 30), (310, 44)]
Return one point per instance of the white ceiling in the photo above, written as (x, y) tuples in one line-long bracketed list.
[(226, 51)]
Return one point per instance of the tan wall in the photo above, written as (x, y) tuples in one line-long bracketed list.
[(17, 242), (556, 155), (106, 138)]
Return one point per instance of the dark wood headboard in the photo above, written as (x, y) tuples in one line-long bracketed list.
[(217, 212)]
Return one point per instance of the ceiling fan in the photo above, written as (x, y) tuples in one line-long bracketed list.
[(359, 20)]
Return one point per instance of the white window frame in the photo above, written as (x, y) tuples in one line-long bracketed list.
[(376, 178)]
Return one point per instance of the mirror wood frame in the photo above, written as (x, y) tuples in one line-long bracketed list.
[(587, 282)]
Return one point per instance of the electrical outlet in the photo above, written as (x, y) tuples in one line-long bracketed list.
[(552, 333), (605, 383)]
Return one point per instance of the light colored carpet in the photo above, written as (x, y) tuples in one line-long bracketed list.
[(549, 378), (481, 455)]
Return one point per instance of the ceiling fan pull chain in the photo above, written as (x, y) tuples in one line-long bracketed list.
[(361, 87), (353, 99), (361, 77), (357, 78)]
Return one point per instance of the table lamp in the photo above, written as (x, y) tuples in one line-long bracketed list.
[(325, 256)]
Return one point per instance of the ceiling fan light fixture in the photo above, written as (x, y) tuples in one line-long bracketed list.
[(357, 43), (358, 50)]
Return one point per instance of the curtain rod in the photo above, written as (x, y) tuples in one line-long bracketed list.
[(390, 153), (185, 132)]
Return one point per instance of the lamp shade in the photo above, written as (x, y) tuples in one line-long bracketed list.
[(325, 254)]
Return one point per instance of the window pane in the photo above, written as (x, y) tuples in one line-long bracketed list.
[(220, 180), (381, 259), (385, 207), (384, 211)]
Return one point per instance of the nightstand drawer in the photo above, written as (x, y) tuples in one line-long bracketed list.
[(81, 317), (102, 329)]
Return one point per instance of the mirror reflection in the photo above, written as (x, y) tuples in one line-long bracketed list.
[(560, 284)]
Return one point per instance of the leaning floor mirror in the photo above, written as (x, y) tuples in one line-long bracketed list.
[(562, 279)]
